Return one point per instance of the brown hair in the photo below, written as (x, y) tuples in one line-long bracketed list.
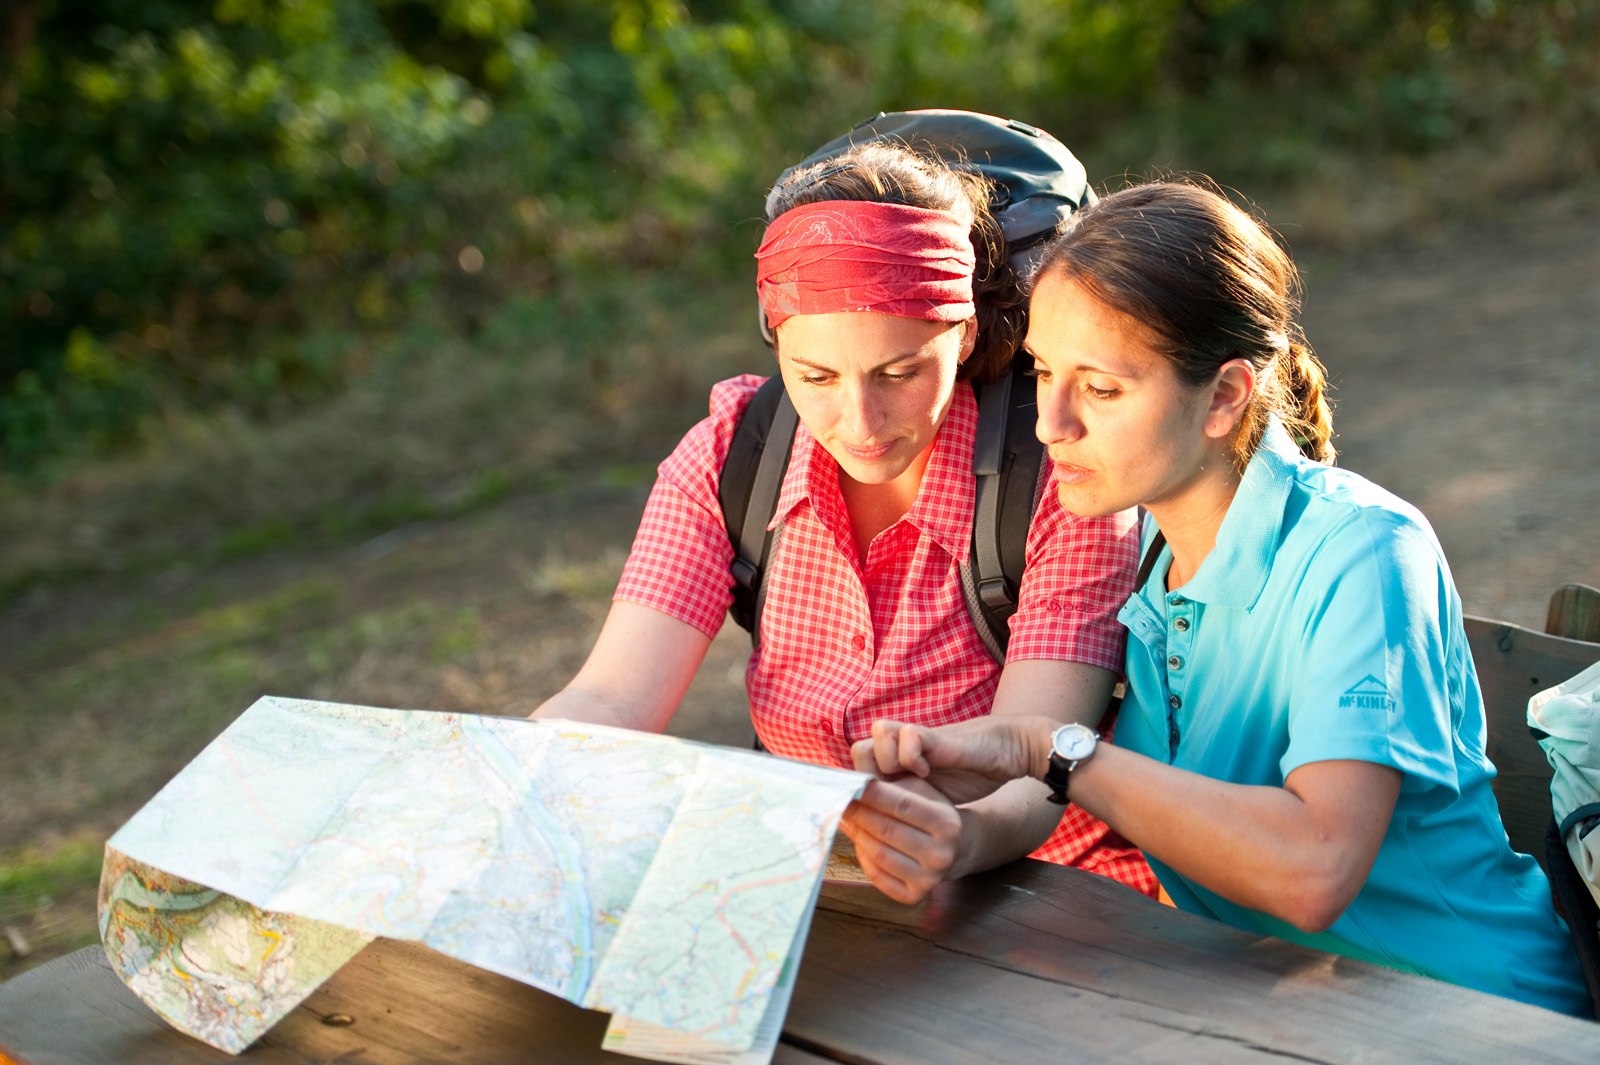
[(1213, 284), (887, 173)]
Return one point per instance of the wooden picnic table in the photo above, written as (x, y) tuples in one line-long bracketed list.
[(1028, 963)]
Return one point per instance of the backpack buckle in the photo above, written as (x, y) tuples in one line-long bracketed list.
[(745, 572), (995, 593)]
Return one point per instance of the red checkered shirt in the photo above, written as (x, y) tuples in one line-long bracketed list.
[(846, 641)]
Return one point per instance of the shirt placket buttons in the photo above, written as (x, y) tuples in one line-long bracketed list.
[(1177, 647)]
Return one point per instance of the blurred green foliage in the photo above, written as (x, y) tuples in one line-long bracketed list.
[(202, 203)]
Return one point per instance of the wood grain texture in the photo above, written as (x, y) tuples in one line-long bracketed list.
[(1038, 960), (407, 1005), (1574, 613)]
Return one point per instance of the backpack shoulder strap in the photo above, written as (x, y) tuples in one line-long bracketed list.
[(1006, 461), (1147, 565), (752, 475)]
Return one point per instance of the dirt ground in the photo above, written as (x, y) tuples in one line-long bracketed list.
[(1467, 370), (1467, 367)]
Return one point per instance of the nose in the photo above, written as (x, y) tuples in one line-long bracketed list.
[(1058, 420), (861, 413)]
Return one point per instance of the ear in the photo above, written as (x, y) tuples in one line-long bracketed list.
[(1231, 391), (969, 339)]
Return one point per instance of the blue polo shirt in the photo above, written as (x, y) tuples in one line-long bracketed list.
[(1325, 625)]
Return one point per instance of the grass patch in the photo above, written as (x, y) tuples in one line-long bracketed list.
[(439, 426), (558, 576), (94, 752), (35, 874), (455, 638), (47, 899)]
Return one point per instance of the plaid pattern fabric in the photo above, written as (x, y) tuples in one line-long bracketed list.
[(846, 640)]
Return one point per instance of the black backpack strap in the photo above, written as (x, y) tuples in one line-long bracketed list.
[(1006, 461), (752, 476), (1147, 566)]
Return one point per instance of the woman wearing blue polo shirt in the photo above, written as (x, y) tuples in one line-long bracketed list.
[(1301, 750)]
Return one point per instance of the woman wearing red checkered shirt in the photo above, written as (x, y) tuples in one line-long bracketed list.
[(884, 279)]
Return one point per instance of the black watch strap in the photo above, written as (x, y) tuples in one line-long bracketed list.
[(1056, 776)]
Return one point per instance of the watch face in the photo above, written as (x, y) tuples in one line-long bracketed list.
[(1074, 742)]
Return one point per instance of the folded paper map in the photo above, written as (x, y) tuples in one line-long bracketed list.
[(667, 882)]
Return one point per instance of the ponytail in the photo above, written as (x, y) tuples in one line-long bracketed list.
[(1304, 405), (1294, 388)]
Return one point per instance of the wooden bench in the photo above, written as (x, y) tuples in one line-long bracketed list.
[(1575, 613), (1515, 663)]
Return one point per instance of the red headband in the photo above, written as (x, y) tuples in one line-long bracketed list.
[(860, 255)]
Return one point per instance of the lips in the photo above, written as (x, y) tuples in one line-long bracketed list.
[(868, 454), (1067, 473)]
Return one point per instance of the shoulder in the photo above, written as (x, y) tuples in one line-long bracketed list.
[(1318, 501), (1354, 548), (730, 398), (1329, 504), (704, 448)]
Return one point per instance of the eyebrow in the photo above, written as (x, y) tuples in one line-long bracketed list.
[(1082, 367), (885, 364)]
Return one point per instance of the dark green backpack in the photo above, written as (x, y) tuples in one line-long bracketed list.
[(1037, 184)]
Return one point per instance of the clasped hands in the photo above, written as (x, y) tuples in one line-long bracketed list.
[(910, 827)]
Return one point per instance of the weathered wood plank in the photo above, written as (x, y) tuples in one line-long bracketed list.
[(1028, 962), (1038, 960), (407, 1006), (76, 1010), (1574, 613)]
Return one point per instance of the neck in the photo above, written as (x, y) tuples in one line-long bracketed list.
[(1191, 520)]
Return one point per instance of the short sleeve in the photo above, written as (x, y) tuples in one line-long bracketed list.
[(1372, 682), (1078, 574), (681, 556)]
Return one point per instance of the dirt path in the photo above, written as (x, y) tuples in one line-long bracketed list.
[(1467, 368)]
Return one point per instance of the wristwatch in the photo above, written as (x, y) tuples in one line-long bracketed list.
[(1070, 745)]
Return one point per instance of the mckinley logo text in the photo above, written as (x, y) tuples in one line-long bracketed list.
[(1369, 693)]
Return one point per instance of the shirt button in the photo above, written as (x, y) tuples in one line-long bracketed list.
[(1172, 735), (1174, 702), (859, 642), (1177, 600), (1174, 662), (1181, 624)]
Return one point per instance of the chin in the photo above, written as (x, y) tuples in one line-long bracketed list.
[(1084, 505), (875, 474), (883, 471)]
